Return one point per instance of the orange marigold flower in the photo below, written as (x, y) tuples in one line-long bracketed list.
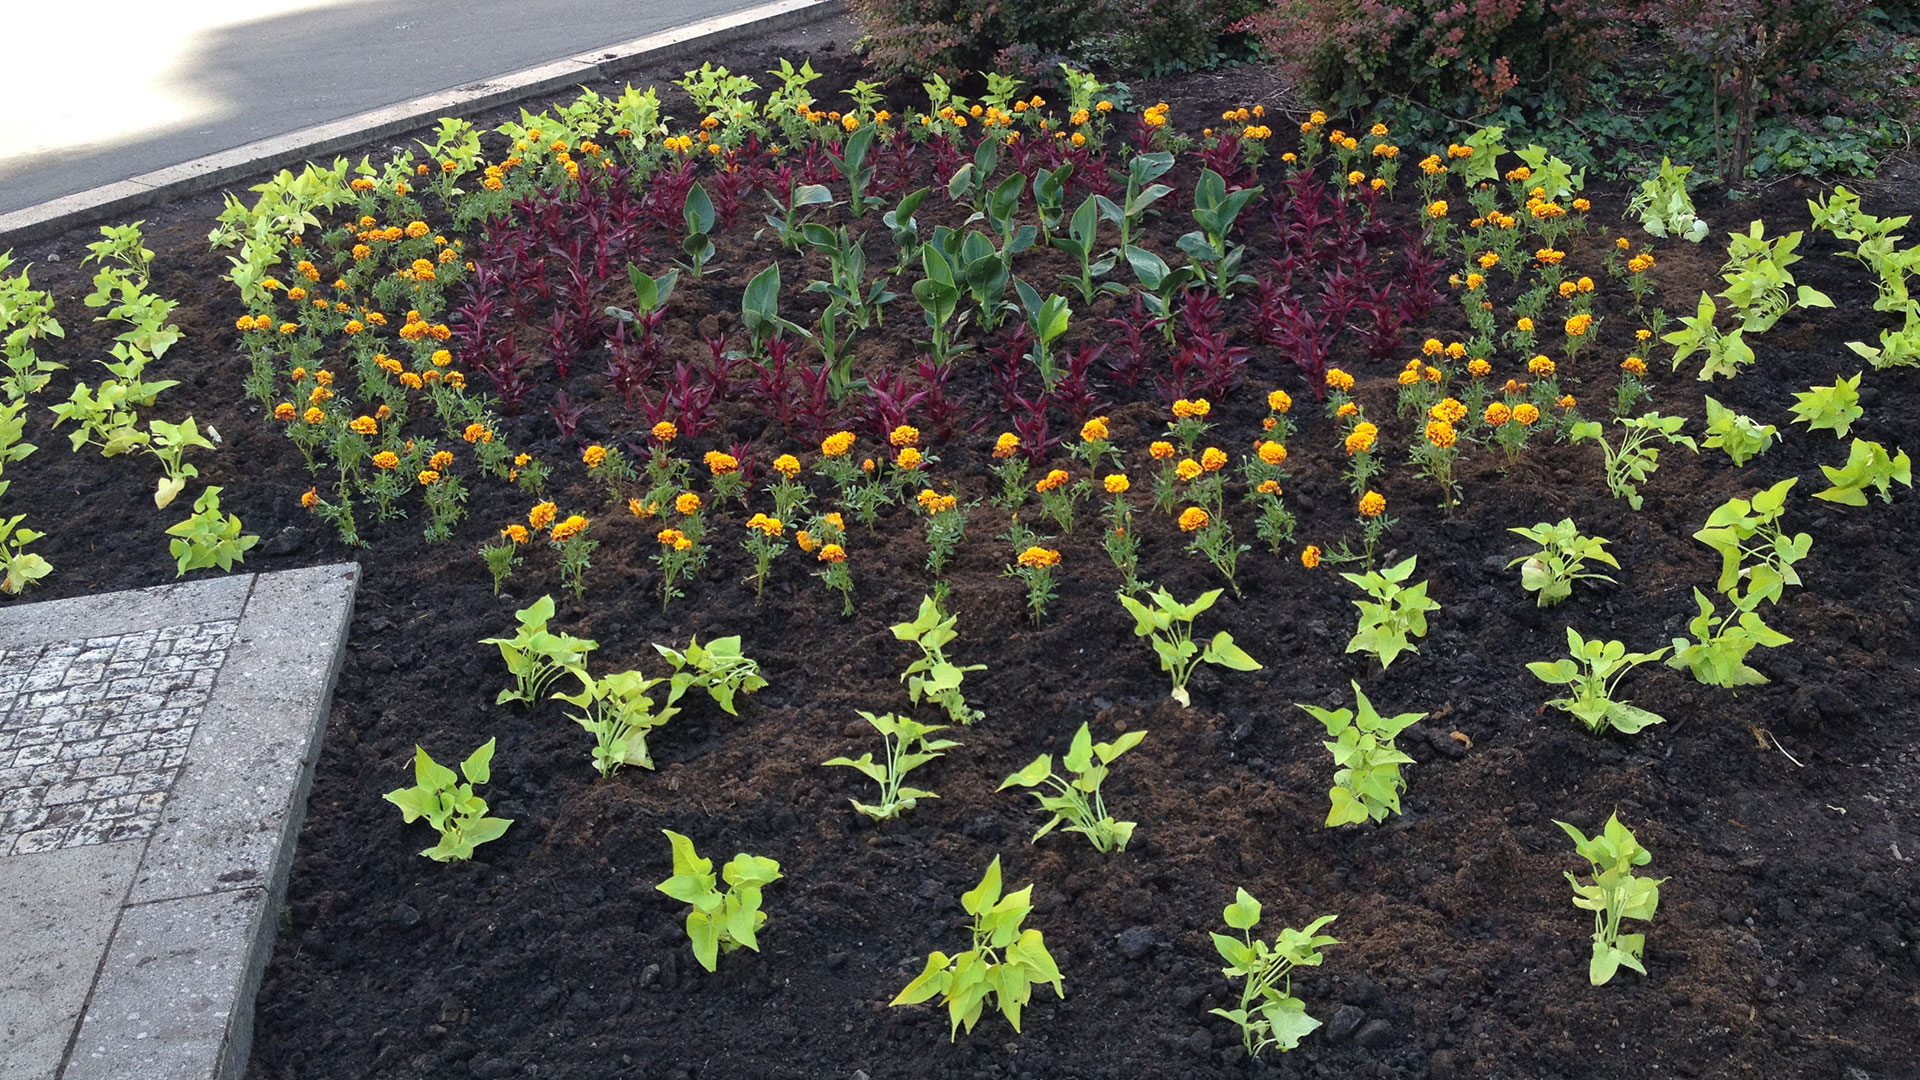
[(1191, 410), (1339, 380), (1268, 487), (1634, 365), (542, 515), (1373, 504), (1566, 401), (1478, 367), (1489, 260), (670, 537), (908, 458), (1526, 414), (1213, 459), (1279, 401), (1005, 446), (1117, 483), (1347, 408), (1579, 324), (1449, 410), (720, 464), (386, 459), (1441, 434), (837, 444), (428, 477), (1541, 367), (440, 460), (1193, 518), (1272, 452), (904, 435), (1055, 479), (477, 433), (832, 553), (1409, 377), (441, 358), (1524, 325), (1160, 450), (570, 528), (1039, 558), (1361, 438), (284, 411), (595, 456), (1188, 469), (665, 432), (687, 503), (365, 425), (1094, 430), (310, 498), (769, 526), (314, 415), (1310, 556)]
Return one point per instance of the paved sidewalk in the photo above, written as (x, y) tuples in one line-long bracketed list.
[(110, 89), (156, 749)]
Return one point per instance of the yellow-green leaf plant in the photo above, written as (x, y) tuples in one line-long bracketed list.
[(449, 805), (718, 667), (1169, 623), (1562, 560), (720, 921), (933, 677), (1367, 784), (618, 711), (1592, 669), (1868, 466), (1079, 800), (1396, 614), (1614, 894), (536, 656), (1005, 961), (907, 748), (1269, 1014)]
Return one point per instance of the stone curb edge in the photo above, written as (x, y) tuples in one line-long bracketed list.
[(49, 219)]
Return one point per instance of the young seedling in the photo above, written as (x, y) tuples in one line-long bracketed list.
[(1396, 614), (207, 537), (618, 711), (1830, 408), (720, 921), (1868, 466), (907, 748), (718, 667), (1170, 624), (1717, 652), (933, 677), (1269, 1014), (1742, 437), (1753, 547), (1614, 895), (1079, 800), (450, 806), (535, 656), (22, 567), (1006, 961), (1368, 782), (1633, 461), (1595, 666), (1561, 560)]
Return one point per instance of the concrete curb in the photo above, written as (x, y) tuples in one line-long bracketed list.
[(49, 219), (149, 963)]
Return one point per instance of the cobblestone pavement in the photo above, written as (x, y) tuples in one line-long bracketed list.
[(93, 732)]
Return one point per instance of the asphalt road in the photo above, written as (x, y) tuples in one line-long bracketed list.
[(103, 90)]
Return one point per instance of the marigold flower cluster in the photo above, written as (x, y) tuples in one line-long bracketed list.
[(573, 526)]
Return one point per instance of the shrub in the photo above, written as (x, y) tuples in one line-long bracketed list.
[(956, 38)]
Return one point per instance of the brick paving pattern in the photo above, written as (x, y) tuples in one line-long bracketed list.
[(93, 732)]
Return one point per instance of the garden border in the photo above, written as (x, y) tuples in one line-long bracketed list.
[(56, 216)]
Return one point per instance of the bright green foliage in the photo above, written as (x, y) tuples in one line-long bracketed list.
[(698, 212), (720, 921), (851, 164), (618, 713), (1592, 670), (1142, 192), (1726, 353), (450, 806), (1831, 408), (1742, 530), (1633, 461), (718, 667), (933, 677), (1078, 243), (26, 315), (169, 443), (907, 748), (1047, 319), (1368, 782), (1005, 961), (1717, 653), (1614, 895), (1170, 624), (1664, 206), (1215, 261), (1742, 437), (22, 568), (1561, 560), (1269, 1014), (1868, 466), (536, 656), (1897, 348), (1758, 279), (1396, 614), (208, 538), (1078, 800)]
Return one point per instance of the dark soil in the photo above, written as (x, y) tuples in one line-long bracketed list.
[(1782, 818)]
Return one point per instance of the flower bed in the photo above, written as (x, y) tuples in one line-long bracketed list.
[(1774, 815)]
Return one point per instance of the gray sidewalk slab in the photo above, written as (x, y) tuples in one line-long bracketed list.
[(156, 750)]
